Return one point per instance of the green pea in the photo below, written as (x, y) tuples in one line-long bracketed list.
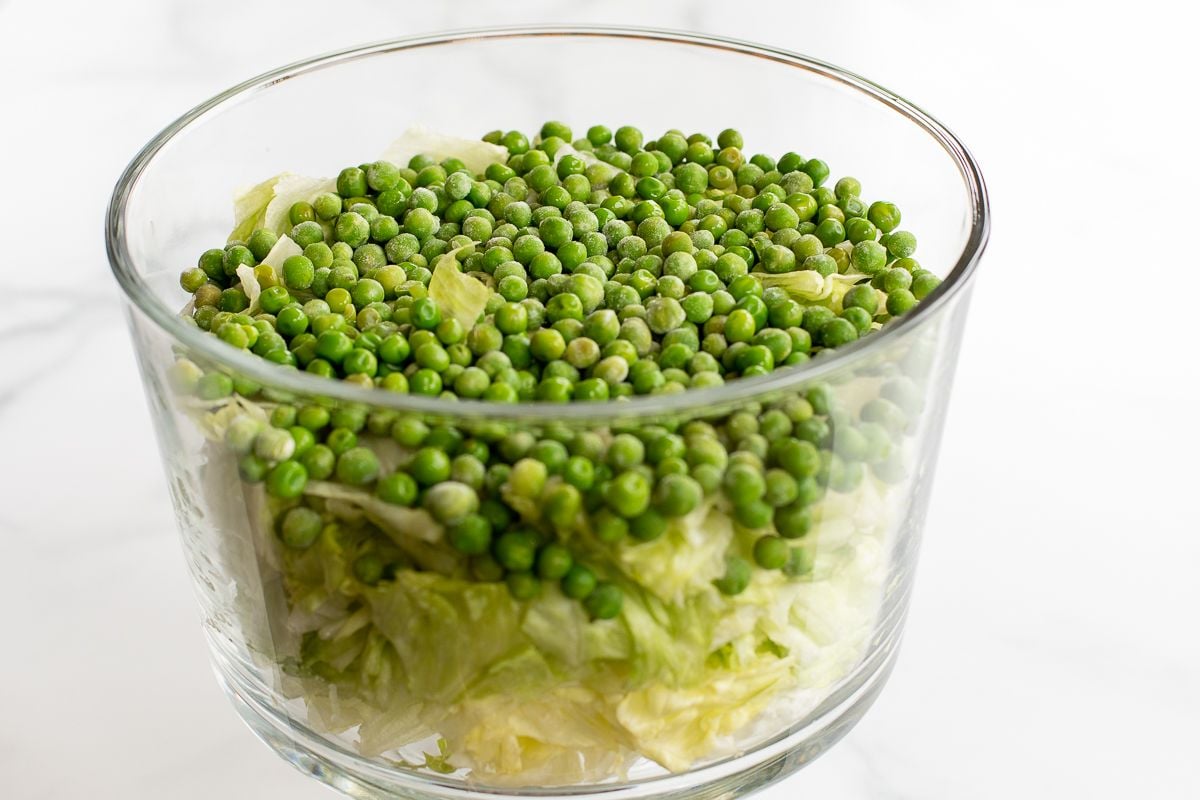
[(449, 502), (837, 332), (923, 285), (397, 488), (736, 578), (648, 526), (901, 244), (884, 216), (677, 495), (900, 302), (755, 515), (429, 466), (869, 257), (287, 479), (771, 552), (300, 528), (554, 562), (516, 551), (579, 582), (628, 494), (358, 466), (625, 451), (862, 296), (604, 601), (319, 461)]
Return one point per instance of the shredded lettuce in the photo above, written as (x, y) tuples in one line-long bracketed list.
[(457, 294), (399, 521), (677, 726), (804, 284), (809, 286), (266, 205), (289, 190), (283, 249), (250, 285), (250, 208), (537, 692), (683, 561), (213, 418), (414, 531), (418, 140)]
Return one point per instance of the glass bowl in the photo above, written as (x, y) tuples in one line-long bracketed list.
[(430, 680)]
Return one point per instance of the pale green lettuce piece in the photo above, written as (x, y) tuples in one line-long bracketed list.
[(677, 726), (559, 627), (804, 284), (476, 154), (683, 561), (214, 418), (447, 632), (397, 520), (250, 286), (457, 294), (289, 190), (266, 204), (283, 249), (564, 734), (537, 693), (809, 286), (510, 704), (417, 533), (250, 208), (316, 576)]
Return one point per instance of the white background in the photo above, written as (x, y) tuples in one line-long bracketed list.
[(1052, 649)]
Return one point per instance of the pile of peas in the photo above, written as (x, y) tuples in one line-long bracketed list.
[(621, 268)]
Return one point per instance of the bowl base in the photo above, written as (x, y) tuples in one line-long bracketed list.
[(365, 780)]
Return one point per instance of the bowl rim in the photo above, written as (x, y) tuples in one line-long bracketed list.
[(278, 376)]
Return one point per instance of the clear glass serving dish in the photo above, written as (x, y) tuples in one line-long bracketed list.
[(432, 681)]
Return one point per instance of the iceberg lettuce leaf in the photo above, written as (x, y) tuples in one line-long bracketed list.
[(683, 561), (291, 189), (250, 208), (446, 631), (419, 140), (457, 294)]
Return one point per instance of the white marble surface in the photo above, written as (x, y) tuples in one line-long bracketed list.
[(1053, 645)]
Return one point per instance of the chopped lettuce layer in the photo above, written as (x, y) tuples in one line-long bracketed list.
[(536, 692)]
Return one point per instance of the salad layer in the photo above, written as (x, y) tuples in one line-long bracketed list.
[(549, 604)]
